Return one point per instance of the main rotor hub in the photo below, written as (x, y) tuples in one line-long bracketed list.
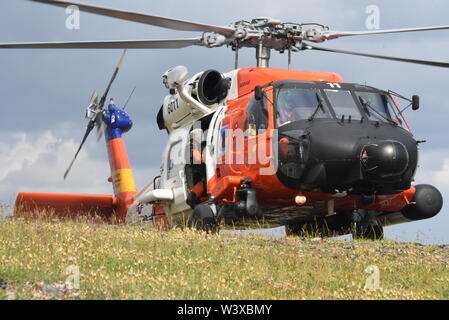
[(268, 30), (265, 34)]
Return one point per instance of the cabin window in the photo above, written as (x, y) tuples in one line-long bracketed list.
[(374, 105), (344, 104), (294, 104), (256, 117)]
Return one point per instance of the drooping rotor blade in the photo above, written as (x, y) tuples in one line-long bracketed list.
[(119, 44), (89, 129), (338, 34), (415, 61), (168, 23)]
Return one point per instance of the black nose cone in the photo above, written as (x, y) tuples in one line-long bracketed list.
[(384, 159)]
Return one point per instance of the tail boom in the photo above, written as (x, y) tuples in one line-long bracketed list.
[(65, 205)]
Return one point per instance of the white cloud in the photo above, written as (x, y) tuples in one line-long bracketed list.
[(36, 163), (434, 170), (441, 177), (23, 153)]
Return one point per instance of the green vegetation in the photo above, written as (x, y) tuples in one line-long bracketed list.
[(135, 262)]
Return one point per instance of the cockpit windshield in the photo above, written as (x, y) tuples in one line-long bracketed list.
[(343, 104), (295, 104), (374, 105), (320, 100)]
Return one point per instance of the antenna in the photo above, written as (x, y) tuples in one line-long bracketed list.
[(289, 57), (129, 98)]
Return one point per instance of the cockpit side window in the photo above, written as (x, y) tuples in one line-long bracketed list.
[(395, 113), (294, 104), (343, 104), (256, 117)]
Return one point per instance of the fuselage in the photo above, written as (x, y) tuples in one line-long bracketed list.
[(287, 147), (336, 157)]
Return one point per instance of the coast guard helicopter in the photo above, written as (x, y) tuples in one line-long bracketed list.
[(296, 148)]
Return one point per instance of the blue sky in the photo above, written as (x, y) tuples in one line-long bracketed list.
[(43, 93)]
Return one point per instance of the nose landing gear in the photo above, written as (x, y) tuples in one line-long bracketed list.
[(367, 226), (362, 224)]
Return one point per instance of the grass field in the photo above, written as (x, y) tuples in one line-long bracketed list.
[(133, 262)]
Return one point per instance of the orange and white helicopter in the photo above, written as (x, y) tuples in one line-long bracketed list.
[(286, 147)]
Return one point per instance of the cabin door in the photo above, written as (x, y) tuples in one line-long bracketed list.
[(174, 178)]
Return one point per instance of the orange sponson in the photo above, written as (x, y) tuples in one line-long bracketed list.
[(122, 177), (65, 205)]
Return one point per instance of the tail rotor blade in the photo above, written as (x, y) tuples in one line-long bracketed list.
[(89, 129), (114, 75), (101, 130), (94, 98), (101, 126)]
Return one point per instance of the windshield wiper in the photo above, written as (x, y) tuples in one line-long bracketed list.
[(367, 104), (318, 107)]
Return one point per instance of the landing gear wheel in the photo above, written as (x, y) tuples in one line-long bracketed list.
[(203, 218)]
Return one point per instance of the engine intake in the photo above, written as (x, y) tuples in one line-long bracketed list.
[(212, 87)]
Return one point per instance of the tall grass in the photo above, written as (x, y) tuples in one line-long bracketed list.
[(139, 262)]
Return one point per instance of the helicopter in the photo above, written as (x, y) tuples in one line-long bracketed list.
[(281, 147)]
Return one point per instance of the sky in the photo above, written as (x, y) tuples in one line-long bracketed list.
[(44, 93)]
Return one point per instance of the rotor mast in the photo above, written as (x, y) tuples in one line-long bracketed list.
[(263, 55)]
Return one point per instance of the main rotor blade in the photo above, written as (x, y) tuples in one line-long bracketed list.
[(120, 44), (329, 35), (415, 61), (158, 21), (89, 129)]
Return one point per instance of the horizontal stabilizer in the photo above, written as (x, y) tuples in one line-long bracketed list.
[(64, 205)]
